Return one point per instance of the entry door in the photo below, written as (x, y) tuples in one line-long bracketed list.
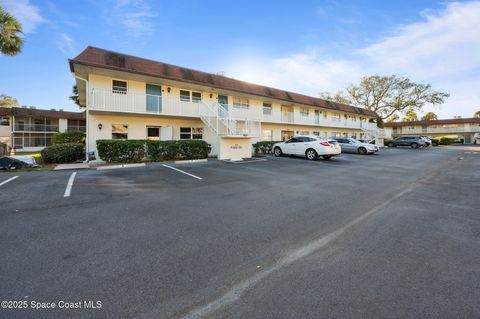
[(317, 117), (223, 101), (154, 98)]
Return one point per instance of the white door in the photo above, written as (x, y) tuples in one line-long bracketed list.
[(166, 133)]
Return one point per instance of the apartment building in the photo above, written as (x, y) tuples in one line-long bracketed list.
[(30, 129), (128, 97), (461, 129)]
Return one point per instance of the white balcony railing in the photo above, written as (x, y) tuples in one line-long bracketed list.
[(116, 101), (19, 127), (438, 130)]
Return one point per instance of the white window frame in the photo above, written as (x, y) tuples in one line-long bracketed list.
[(183, 97), (304, 111), (267, 106), (116, 91), (267, 137), (4, 119), (191, 135), (241, 103), (125, 125), (154, 137)]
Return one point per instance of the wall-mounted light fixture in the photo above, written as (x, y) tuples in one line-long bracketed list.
[(168, 89), (211, 95), (100, 126)]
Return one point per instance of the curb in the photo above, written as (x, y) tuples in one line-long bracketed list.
[(101, 168), (204, 160)]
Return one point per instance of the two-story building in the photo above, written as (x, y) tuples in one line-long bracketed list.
[(29, 129), (128, 97), (461, 129)]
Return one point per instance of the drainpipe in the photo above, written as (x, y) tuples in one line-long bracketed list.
[(87, 144)]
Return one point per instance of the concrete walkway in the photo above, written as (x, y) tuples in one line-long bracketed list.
[(71, 166)]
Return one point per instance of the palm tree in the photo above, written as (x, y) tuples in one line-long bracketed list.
[(10, 30)]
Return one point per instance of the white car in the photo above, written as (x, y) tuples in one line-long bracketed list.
[(476, 138), (310, 146)]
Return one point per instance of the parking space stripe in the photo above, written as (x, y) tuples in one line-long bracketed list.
[(69, 185), (179, 170), (8, 180)]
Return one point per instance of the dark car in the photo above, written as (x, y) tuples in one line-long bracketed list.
[(412, 141)]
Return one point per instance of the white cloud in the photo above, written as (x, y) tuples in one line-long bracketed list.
[(443, 49), (135, 16), (66, 44), (28, 14)]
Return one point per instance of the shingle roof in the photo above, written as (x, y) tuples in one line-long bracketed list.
[(101, 58), (25, 112), (434, 122)]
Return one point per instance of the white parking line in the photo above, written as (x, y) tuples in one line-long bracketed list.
[(179, 170), (69, 185), (8, 180)]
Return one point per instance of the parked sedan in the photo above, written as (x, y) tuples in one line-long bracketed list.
[(351, 145), (310, 146), (412, 141)]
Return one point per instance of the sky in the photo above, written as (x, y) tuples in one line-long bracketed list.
[(302, 46)]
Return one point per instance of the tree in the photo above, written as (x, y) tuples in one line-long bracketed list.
[(387, 95), (11, 40), (8, 101), (75, 97), (410, 116), (429, 116), (476, 114), (394, 117)]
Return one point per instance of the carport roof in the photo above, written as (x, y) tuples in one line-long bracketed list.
[(101, 58), (434, 122), (26, 112)]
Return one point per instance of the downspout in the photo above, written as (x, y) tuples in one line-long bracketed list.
[(86, 117)]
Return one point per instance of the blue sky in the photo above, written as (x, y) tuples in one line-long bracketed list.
[(304, 46)]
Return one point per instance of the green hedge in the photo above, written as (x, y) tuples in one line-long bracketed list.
[(446, 140), (136, 150), (69, 137), (264, 147), (63, 153), (121, 150)]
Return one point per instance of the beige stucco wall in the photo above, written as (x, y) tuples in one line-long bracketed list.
[(235, 148), (137, 128)]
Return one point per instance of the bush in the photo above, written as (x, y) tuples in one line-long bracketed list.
[(69, 137), (264, 147), (134, 150), (121, 150), (446, 140), (63, 153)]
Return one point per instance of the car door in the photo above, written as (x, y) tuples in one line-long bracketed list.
[(400, 141), (302, 145), (347, 145), (289, 146)]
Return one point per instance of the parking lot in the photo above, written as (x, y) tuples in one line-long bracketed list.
[(394, 234)]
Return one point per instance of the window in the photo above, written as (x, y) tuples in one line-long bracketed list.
[(304, 111), (353, 135), (4, 121), (293, 140), (153, 133), (316, 133), (267, 135), (267, 109), (345, 134), (184, 96), (191, 133), (119, 87), (336, 117), (304, 132), (196, 97), (240, 103), (119, 132)]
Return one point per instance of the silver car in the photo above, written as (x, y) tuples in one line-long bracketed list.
[(351, 145)]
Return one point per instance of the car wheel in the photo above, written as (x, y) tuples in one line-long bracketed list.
[(277, 152), (327, 156), (390, 144), (311, 154), (414, 145), (362, 150)]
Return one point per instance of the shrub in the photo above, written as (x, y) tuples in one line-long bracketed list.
[(63, 153), (447, 140), (134, 150), (69, 137), (121, 150), (264, 147)]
